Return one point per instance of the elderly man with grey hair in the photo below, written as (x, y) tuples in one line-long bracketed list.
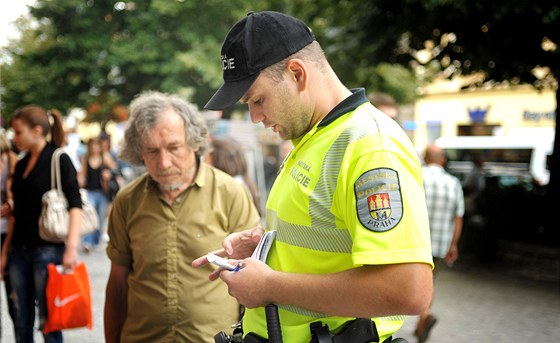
[(162, 221)]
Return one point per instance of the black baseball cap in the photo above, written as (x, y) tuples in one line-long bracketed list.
[(256, 42)]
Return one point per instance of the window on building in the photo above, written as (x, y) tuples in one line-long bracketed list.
[(476, 129), (433, 130)]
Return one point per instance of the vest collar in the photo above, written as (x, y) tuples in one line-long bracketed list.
[(349, 104)]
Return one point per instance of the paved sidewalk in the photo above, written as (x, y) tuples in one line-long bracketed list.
[(480, 305), (472, 304), (98, 266)]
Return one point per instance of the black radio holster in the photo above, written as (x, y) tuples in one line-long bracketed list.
[(359, 330)]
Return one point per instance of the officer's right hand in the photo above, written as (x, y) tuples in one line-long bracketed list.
[(250, 285), (238, 245)]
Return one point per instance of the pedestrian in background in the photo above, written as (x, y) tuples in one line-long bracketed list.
[(114, 182), (385, 103), (94, 176), (473, 184), (444, 198), (348, 206), (117, 179), (161, 221), (28, 254), (228, 155), (8, 160)]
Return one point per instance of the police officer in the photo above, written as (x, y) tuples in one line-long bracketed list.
[(348, 206)]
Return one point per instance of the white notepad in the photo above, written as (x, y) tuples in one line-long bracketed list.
[(262, 249)]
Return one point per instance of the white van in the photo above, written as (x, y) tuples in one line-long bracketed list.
[(518, 155)]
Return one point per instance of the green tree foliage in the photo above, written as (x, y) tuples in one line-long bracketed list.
[(95, 54), (504, 39), (335, 25)]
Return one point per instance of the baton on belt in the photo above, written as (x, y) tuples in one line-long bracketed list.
[(273, 324), (272, 327)]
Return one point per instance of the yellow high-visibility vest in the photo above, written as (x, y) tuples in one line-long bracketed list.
[(349, 194)]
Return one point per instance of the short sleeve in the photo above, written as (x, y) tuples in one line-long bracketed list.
[(118, 247), (386, 210)]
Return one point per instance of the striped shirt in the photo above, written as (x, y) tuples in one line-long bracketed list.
[(444, 198)]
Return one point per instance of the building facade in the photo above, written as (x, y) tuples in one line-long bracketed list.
[(519, 110)]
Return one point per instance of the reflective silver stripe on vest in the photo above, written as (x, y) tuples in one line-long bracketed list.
[(321, 199), (314, 238), (391, 318), (322, 235), (302, 312)]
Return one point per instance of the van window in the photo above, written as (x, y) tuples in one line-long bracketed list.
[(505, 157), (493, 155), (509, 162)]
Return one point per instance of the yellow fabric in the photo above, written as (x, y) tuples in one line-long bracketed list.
[(314, 207), (168, 300)]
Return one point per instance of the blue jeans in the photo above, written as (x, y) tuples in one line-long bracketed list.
[(98, 199), (28, 276)]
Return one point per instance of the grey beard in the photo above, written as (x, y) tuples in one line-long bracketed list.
[(172, 187)]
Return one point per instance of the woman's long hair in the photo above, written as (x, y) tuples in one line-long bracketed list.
[(50, 122)]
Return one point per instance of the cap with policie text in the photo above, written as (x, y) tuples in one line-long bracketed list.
[(258, 41)]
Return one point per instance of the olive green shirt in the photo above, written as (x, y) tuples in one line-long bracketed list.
[(168, 299)]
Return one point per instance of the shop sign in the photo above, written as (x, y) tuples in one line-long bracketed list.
[(538, 116)]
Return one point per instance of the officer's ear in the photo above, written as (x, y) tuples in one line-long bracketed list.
[(298, 73)]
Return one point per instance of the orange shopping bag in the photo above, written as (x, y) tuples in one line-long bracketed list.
[(68, 299)]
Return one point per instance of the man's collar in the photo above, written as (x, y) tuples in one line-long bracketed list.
[(200, 178)]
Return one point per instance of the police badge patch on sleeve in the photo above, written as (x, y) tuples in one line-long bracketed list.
[(378, 199)]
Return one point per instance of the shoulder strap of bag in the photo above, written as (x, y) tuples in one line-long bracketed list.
[(56, 182)]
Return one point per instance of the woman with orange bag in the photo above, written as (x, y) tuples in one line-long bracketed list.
[(28, 254)]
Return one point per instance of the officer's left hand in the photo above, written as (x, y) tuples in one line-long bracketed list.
[(249, 284)]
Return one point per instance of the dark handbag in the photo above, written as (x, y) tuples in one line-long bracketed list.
[(113, 186)]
